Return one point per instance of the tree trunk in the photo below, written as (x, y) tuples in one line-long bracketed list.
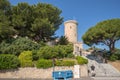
[(112, 47)]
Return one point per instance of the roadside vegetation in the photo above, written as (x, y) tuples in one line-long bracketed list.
[(25, 30)]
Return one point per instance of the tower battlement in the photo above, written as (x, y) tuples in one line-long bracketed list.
[(71, 21)]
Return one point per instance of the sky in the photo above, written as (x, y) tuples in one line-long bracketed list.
[(86, 12)]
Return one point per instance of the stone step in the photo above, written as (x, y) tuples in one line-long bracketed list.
[(102, 69), (106, 78)]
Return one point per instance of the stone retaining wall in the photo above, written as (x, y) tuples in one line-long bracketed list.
[(31, 72), (40, 73)]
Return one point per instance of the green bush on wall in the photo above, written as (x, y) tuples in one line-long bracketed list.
[(65, 63), (44, 63), (59, 51), (8, 61), (81, 60), (26, 59)]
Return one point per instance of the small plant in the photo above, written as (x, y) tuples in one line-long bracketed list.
[(81, 60), (26, 59), (8, 61), (44, 63)]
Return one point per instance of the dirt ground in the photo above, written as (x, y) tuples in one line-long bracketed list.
[(116, 64)]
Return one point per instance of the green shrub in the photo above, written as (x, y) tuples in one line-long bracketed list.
[(59, 51), (81, 60), (65, 63), (34, 55), (114, 57), (43, 63), (4, 47), (26, 59), (47, 52), (8, 61), (65, 51), (70, 55), (118, 56), (117, 53), (19, 45)]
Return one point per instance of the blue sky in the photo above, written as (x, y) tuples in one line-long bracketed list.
[(86, 12)]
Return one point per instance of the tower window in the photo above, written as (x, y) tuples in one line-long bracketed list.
[(70, 27)]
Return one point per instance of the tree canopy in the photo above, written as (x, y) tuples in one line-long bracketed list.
[(63, 40), (37, 22), (6, 29), (106, 32)]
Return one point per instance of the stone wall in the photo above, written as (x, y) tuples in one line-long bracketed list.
[(31, 72), (40, 73), (83, 71)]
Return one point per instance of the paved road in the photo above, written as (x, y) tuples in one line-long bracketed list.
[(88, 78), (106, 78), (22, 79), (48, 79)]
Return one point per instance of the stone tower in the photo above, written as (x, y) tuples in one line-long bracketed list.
[(71, 34), (71, 30)]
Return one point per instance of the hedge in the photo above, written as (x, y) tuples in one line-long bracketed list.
[(81, 60), (65, 63), (8, 61), (44, 63)]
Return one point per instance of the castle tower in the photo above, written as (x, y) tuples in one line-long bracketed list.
[(71, 35), (71, 30)]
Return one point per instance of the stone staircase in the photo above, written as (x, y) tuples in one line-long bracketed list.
[(102, 69), (110, 70)]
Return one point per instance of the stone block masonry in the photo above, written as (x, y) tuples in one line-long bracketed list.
[(31, 72)]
